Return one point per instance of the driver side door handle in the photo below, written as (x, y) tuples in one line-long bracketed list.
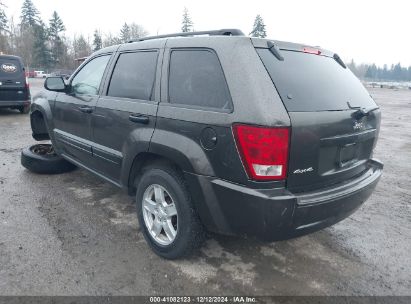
[(138, 118), (86, 109)]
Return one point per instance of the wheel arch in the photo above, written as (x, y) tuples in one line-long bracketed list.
[(41, 117), (143, 160), (38, 126)]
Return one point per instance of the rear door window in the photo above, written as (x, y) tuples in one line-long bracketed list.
[(308, 82), (134, 75), (196, 79)]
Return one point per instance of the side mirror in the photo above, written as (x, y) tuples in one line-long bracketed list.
[(55, 84)]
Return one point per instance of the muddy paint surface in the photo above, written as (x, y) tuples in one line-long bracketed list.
[(73, 234)]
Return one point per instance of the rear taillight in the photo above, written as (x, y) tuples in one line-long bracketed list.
[(264, 151), (27, 83)]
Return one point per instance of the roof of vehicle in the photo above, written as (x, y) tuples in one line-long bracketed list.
[(237, 55), (214, 35), (9, 56), (12, 57)]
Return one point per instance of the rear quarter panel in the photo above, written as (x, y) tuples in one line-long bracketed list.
[(179, 129)]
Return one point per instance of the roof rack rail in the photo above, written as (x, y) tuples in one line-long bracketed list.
[(222, 32)]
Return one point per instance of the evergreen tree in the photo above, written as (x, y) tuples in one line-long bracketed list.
[(397, 72), (81, 47), (58, 49), (56, 26), (29, 14), (353, 67), (41, 54), (372, 72), (385, 74), (3, 19), (5, 42), (97, 42), (258, 28), (125, 33), (187, 24)]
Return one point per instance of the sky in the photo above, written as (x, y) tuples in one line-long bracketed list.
[(365, 30)]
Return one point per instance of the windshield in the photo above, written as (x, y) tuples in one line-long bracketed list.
[(308, 82)]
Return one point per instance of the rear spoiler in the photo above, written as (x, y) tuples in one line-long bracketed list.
[(275, 48)]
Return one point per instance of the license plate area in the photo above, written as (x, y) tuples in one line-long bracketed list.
[(347, 155)]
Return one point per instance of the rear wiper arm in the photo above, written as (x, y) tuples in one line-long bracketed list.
[(361, 112), (339, 60), (275, 50)]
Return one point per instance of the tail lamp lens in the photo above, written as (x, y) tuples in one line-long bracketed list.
[(264, 151)]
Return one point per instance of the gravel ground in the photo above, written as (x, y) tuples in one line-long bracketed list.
[(73, 234)]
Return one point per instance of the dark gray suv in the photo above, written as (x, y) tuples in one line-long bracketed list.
[(215, 131)]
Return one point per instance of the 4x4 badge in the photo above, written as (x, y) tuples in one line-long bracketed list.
[(299, 171)]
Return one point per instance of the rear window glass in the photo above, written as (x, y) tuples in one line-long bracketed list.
[(308, 82), (9, 67), (197, 80)]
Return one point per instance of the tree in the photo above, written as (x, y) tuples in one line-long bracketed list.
[(56, 26), (187, 24), (110, 40), (258, 28), (4, 30), (397, 72), (137, 31), (41, 54), (372, 72), (29, 14), (353, 67), (81, 47), (3, 19), (97, 42), (125, 33), (384, 72), (58, 49), (21, 42)]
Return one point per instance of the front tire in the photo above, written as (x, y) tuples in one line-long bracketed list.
[(166, 214)]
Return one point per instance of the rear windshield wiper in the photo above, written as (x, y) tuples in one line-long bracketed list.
[(339, 60), (361, 112), (275, 50)]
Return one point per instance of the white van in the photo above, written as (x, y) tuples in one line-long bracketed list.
[(40, 74)]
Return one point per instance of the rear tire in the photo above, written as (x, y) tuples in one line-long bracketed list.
[(42, 159), (24, 109), (171, 231)]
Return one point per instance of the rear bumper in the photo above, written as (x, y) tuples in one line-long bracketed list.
[(277, 214), (14, 103)]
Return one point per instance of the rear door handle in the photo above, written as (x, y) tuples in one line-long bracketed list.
[(143, 119), (86, 109)]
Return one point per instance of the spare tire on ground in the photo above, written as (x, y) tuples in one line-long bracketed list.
[(42, 159)]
